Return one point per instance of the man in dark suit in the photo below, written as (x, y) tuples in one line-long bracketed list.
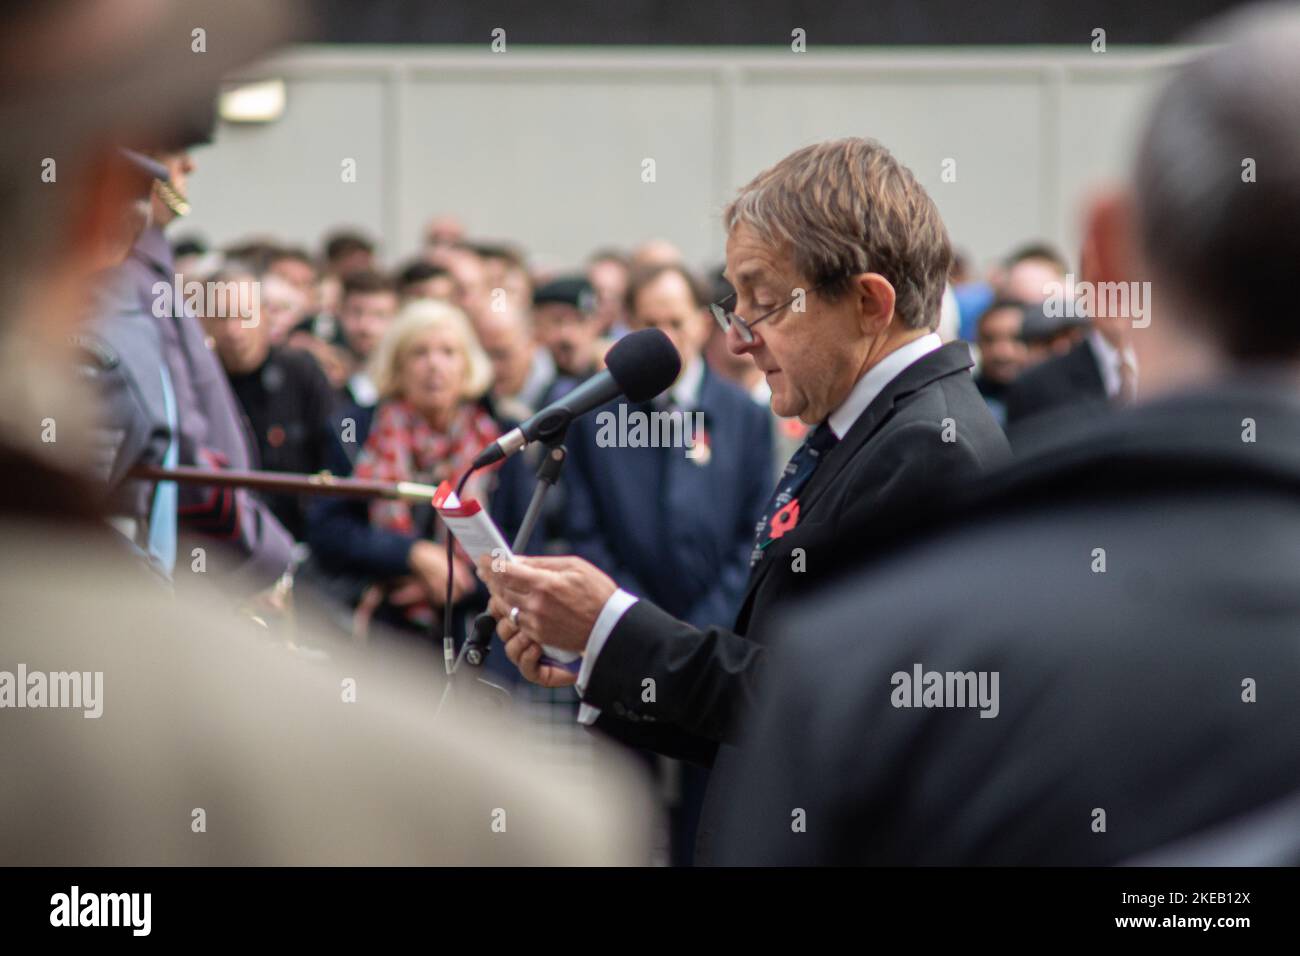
[(564, 318), (1095, 375), (998, 335), (1136, 692), (1070, 379), (367, 308), (838, 258), (673, 524), (671, 517)]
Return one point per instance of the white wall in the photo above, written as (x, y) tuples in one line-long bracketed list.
[(546, 148)]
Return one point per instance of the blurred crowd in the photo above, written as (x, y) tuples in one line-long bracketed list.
[(335, 361), (265, 358), (340, 363)]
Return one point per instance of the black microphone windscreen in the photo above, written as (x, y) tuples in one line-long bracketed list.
[(643, 364)]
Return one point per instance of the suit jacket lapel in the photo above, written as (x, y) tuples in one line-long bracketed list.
[(943, 361), (706, 400), (1085, 370)]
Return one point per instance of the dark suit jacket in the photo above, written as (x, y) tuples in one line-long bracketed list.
[(1119, 691), (894, 458), (1064, 387), (666, 527)]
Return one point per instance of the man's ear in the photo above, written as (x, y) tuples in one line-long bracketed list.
[(1109, 239), (875, 298), (1109, 253)]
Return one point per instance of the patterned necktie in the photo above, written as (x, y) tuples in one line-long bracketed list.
[(782, 511), (1127, 380)]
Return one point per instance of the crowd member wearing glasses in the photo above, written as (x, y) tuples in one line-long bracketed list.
[(838, 258)]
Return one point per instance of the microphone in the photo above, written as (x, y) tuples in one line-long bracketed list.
[(640, 365)]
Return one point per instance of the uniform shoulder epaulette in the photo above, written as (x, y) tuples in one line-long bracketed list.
[(98, 352)]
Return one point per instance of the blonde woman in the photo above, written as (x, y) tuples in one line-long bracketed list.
[(429, 424)]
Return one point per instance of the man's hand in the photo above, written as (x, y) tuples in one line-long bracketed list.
[(558, 599)]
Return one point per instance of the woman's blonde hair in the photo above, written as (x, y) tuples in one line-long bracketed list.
[(417, 317)]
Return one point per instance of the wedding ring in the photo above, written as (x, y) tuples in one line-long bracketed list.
[(514, 616)]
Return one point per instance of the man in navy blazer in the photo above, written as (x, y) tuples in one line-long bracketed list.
[(669, 513)]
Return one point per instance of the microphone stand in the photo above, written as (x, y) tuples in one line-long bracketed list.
[(478, 644)]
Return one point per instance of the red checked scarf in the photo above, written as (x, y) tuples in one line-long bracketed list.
[(403, 447)]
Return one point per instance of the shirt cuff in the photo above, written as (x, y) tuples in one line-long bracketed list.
[(608, 618)]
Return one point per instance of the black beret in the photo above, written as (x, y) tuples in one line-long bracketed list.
[(1041, 327), (572, 290)]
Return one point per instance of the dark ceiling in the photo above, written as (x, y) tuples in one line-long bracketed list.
[(760, 22)]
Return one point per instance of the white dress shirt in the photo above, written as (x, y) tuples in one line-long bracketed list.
[(841, 420), (541, 371), (1109, 360), (363, 390), (685, 392)]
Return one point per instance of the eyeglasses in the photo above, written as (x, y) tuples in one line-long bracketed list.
[(727, 319)]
